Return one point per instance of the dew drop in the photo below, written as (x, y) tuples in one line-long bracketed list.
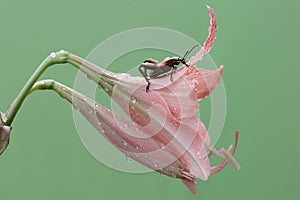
[(128, 159), (124, 143), (137, 147), (173, 174), (133, 99), (88, 77), (75, 106), (195, 82), (52, 55), (101, 129)]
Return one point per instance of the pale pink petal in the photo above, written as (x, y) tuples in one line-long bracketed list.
[(180, 99), (212, 30), (172, 149), (203, 81), (198, 162), (191, 185), (173, 96)]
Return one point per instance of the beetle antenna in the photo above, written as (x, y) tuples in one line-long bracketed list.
[(188, 52)]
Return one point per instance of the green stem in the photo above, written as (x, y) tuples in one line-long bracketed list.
[(52, 59), (93, 71), (59, 88)]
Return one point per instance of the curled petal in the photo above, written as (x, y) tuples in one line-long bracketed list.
[(203, 81), (212, 31)]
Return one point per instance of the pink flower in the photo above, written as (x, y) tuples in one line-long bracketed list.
[(163, 132)]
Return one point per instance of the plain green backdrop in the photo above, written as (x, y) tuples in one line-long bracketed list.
[(256, 40)]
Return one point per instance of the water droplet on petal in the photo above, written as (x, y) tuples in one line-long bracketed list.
[(133, 99), (137, 147), (128, 159), (101, 129), (124, 143), (173, 174), (195, 82), (75, 106)]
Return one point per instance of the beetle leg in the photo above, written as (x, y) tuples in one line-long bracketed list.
[(145, 66), (172, 72)]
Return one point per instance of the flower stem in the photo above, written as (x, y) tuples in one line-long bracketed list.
[(93, 71), (59, 88), (52, 59)]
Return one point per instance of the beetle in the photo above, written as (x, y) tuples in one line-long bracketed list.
[(161, 69)]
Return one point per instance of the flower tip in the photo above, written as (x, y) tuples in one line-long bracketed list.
[(207, 6), (191, 185), (236, 141), (220, 70)]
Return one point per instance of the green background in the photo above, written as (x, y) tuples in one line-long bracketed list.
[(256, 40)]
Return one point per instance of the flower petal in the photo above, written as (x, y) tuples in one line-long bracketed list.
[(212, 30), (203, 81), (191, 185), (171, 150), (177, 97)]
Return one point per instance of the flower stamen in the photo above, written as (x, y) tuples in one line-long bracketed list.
[(226, 155)]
